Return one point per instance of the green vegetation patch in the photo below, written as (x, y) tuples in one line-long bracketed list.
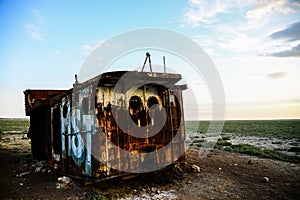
[(285, 129), (222, 142), (206, 144), (17, 125), (225, 137), (98, 197), (263, 153), (198, 140)]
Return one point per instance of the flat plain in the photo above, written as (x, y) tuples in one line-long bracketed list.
[(255, 159)]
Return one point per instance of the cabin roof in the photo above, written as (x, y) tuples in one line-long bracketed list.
[(36, 98), (112, 78)]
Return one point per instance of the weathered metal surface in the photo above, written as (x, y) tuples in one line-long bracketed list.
[(37, 98), (37, 106), (72, 129)]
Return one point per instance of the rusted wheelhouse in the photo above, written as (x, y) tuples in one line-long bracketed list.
[(104, 127)]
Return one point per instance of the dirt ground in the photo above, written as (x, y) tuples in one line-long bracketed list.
[(223, 175)]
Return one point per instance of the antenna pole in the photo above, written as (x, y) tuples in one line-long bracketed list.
[(147, 56), (76, 79), (164, 59)]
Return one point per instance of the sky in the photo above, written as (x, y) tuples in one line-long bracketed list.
[(254, 45)]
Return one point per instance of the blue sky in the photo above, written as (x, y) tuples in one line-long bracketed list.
[(255, 46)]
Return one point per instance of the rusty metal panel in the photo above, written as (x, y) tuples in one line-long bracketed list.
[(38, 98)]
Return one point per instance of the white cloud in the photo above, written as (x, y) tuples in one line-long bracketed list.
[(283, 42), (36, 35), (232, 38), (56, 52), (268, 7), (202, 12), (293, 52), (205, 12), (87, 47), (247, 34), (34, 32), (32, 28), (243, 43), (237, 33), (91, 46)]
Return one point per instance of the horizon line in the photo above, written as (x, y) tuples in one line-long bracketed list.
[(229, 119)]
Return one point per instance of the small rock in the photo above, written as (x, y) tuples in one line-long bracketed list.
[(33, 166), (196, 168), (220, 168), (266, 179), (250, 162), (177, 166), (38, 169), (158, 191), (41, 163), (21, 184), (189, 182), (66, 180), (235, 164), (23, 174)]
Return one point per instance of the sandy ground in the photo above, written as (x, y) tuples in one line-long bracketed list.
[(223, 175)]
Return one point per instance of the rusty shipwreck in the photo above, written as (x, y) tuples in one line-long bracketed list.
[(105, 127)]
